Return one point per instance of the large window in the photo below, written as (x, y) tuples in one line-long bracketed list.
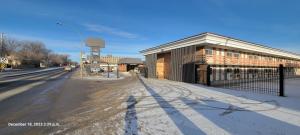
[(208, 51), (236, 55)]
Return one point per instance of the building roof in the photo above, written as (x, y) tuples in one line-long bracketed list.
[(130, 61), (220, 40)]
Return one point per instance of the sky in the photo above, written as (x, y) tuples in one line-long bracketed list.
[(133, 25)]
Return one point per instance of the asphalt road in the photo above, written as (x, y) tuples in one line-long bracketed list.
[(58, 102)]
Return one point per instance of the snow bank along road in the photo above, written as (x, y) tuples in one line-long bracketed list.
[(136, 105)]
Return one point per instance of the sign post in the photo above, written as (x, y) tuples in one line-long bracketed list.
[(95, 45)]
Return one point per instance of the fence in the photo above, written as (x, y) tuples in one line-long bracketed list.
[(267, 80)]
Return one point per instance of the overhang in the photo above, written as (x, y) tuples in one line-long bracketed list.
[(222, 41)]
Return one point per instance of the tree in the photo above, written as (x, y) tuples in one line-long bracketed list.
[(31, 53)]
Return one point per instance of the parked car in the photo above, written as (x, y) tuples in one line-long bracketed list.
[(95, 70), (68, 68), (73, 66), (136, 70)]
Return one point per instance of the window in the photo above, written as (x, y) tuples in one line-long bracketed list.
[(208, 51), (229, 54), (266, 58), (250, 56), (218, 52), (270, 59), (236, 55)]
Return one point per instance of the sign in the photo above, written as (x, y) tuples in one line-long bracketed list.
[(3, 60), (83, 56), (95, 42)]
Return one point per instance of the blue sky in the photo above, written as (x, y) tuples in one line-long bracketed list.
[(132, 25)]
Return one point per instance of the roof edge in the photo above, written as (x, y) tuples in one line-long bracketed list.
[(216, 35)]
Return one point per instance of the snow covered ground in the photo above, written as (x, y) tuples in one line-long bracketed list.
[(166, 107), (292, 88)]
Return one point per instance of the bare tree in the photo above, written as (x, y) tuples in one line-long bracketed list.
[(10, 46), (32, 53)]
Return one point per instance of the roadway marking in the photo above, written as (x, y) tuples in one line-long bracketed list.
[(16, 91), (22, 89)]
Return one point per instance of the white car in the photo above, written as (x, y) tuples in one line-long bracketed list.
[(68, 68), (136, 70), (95, 70), (73, 66)]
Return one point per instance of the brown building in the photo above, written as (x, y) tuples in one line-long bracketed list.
[(110, 59), (127, 64), (185, 59)]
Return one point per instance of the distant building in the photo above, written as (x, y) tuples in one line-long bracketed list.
[(127, 64), (109, 61)]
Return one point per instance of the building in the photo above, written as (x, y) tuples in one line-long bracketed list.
[(127, 64), (109, 61), (186, 59)]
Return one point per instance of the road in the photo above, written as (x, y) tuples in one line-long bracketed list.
[(53, 97)]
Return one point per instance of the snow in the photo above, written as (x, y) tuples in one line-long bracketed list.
[(292, 88), (166, 107)]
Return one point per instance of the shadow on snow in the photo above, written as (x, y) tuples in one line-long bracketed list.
[(237, 120), (130, 117), (186, 126)]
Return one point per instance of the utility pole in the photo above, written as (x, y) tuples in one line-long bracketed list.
[(81, 63), (2, 46)]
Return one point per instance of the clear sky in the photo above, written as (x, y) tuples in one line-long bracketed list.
[(129, 26)]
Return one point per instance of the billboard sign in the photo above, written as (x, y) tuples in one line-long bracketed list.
[(95, 42)]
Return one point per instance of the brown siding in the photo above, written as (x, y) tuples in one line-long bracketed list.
[(151, 65), (163, 65), (182, 64), (122, 67)]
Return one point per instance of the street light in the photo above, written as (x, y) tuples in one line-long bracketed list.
[(81, 45)]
